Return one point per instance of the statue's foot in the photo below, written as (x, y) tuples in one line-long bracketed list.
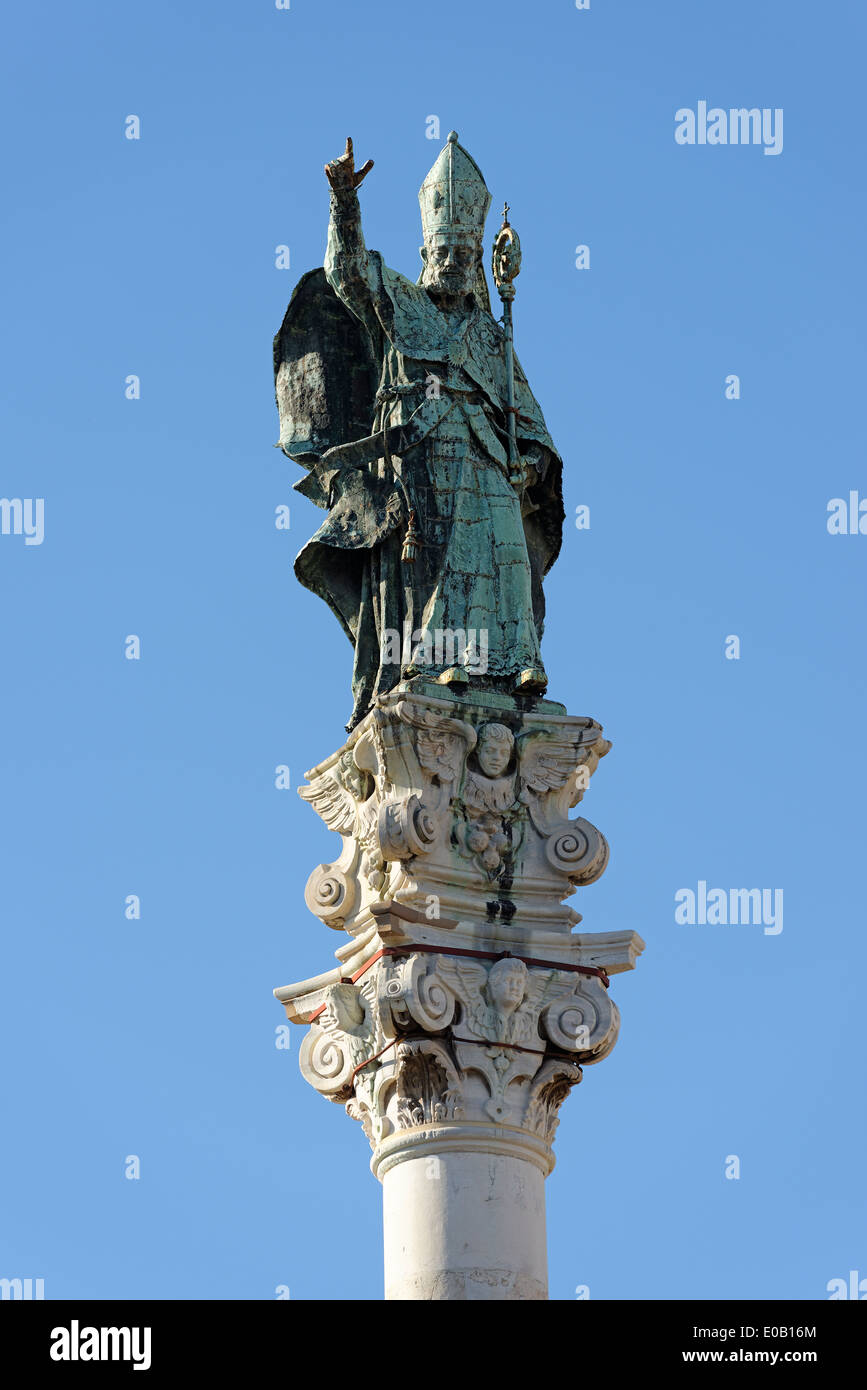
[(533, 681), (455, 675)]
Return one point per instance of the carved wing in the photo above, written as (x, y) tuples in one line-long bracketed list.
[(367, 988), (330, 800), (465, 978), (539, 986), (547, 761), (441, 753), (442, 744)]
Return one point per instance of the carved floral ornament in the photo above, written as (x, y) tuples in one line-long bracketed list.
[(432, 1039), (420, 784)]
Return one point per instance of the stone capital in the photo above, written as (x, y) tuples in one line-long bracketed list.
[(462, 805), (451, 1045)]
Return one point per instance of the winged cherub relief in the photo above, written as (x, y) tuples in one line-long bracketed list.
[(488, 800), (500, 1014), (501, 1004), (343, 797)]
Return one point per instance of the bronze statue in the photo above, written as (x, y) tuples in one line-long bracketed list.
[(399, 399)]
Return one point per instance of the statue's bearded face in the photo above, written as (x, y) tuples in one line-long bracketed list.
[(450, 267)]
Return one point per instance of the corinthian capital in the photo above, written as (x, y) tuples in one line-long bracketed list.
[(428, 1040)]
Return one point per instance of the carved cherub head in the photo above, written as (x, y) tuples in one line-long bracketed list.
[(494, 751), (507, 985), (354, 779), (344, 1010)]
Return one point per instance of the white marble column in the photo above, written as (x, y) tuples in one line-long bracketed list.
[(464, 1223)]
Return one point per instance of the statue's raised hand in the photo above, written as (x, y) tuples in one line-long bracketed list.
[(342, 173)]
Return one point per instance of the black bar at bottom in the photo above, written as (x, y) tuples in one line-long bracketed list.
[(63, 1338)]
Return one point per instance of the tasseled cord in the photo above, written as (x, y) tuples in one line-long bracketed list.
[(409, 552)]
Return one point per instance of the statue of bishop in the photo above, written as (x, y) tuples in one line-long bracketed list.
[(393, 395)]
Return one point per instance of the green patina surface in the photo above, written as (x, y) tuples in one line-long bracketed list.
[(394, 396)]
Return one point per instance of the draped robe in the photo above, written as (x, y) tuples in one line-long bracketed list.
[(482, 547)]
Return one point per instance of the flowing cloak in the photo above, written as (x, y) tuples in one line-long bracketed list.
[(354, 410)]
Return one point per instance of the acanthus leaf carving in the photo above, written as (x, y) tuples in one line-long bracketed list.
[(428, 1084), (549, 1089)]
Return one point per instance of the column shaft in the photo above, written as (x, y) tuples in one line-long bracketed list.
[(464, 1225)]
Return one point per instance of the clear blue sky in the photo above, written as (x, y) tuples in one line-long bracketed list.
[(156, 257)]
